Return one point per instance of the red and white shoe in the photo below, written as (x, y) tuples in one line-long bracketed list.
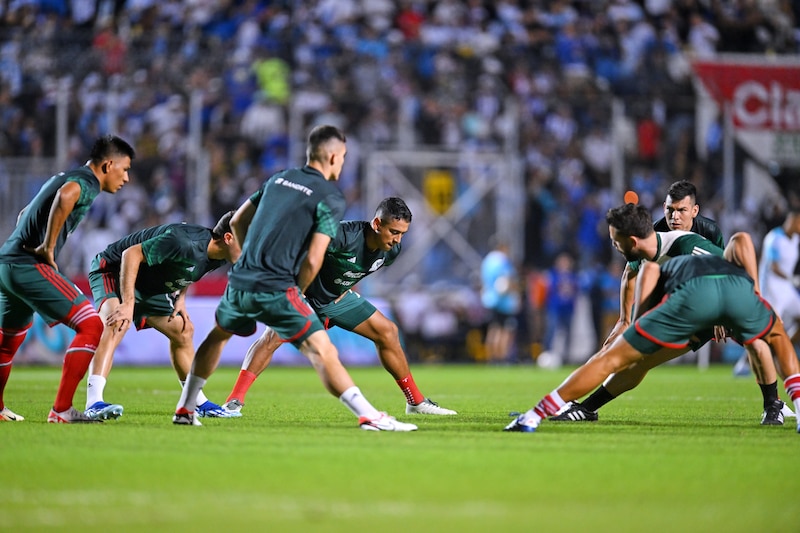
[(384, 422), (70, 416)]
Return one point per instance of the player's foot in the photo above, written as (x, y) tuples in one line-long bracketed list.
[(787, 411), (384, 423), (7, 415), (182, 417), (574, 412), (428, 407), (233, 406), (70, 416), (519, 424), (209, 409), (103, 410), (773, 415)]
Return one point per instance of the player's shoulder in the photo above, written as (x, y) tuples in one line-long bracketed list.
[(661, 225), (680, 242), (82, 175)]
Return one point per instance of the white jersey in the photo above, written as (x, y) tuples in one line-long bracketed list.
[(783, 251)]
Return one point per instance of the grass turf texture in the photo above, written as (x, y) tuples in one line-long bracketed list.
[(683, 452)]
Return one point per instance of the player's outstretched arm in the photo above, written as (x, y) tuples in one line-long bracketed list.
[(626, 295)]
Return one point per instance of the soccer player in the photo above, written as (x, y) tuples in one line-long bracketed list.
[(293, 216), (31, 283), (358, 249), (674, 302), (678, 205), (142, 280)]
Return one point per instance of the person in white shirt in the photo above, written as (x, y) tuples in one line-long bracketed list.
[(780, 252)]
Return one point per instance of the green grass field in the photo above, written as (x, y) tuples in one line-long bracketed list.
[(684, 452)]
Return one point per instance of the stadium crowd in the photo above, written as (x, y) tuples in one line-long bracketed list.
[(449, 70)]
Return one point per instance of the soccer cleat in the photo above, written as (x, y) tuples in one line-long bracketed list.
[(773, 415), (103, 410), (209, 409), (574, 412), (182, 417), (70, 416), (384, 423), (7, 415), (787, 411), (233, 406), (428, 407), (519, 425)]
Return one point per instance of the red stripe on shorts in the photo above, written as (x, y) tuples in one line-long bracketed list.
[(65, 287)]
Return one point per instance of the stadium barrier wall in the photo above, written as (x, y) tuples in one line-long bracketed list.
[(46, 346)]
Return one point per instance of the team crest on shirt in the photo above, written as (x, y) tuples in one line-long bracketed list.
[(376, 265)]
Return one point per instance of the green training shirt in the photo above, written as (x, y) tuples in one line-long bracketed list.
[(32, 226), (347, 261), (674, 243), (290, 206), (176, 255)]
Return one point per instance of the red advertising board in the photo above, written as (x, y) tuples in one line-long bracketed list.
[(763, 95)]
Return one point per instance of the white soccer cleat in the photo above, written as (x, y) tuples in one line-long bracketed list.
[(787, 412), (428, 407), (233, 406), (7, 415), (182, 417), (70, 416), (384, 423)]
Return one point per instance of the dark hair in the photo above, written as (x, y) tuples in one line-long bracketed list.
[(632, 220), (319, 136), (681, 189), (109, 146), (393, 208), (223, 226)]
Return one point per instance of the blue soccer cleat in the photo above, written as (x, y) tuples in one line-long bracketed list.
[(209, 409), (519, 425), (104, 411)]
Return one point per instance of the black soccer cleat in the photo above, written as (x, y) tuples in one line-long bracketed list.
[(773, 415), (575, 413)]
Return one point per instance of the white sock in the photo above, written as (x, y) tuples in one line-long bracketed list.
[(358, 405), (201, 397), (190, 391), (95, 386), (550, 403)]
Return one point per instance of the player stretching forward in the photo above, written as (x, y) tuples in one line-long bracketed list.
[(295, 214), (675, 301), (681, 212), (359, 249), (31, 283), (142, 279)]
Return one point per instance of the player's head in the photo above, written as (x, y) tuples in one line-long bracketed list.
[(110, 159), (223, 241), (222, 226), (326, 149), (792, 222), (391, 221), (628, 225), (680, 206)]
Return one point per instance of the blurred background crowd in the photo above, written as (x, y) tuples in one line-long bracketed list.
[(536, 80)]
